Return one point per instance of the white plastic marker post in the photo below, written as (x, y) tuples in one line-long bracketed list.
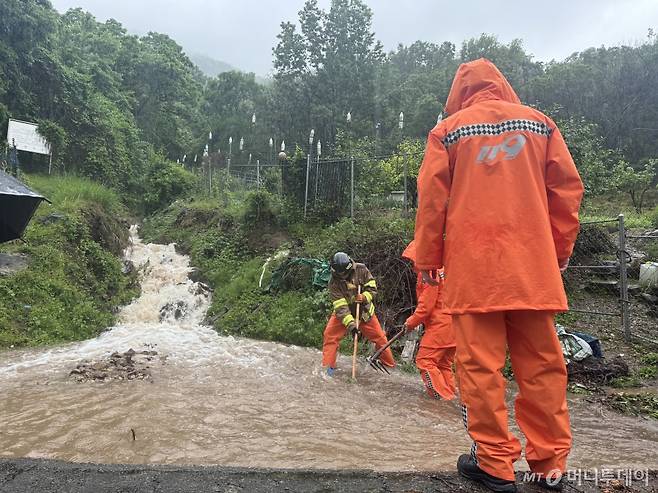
[(356, 336)]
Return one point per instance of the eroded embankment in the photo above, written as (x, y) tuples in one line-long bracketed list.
[(72, 278)]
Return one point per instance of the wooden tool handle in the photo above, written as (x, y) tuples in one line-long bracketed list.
[(356, 336)]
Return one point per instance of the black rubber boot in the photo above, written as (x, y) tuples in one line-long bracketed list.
[(469, 469), (551, 485)]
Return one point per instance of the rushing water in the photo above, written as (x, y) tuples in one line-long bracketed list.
[(230, 401)]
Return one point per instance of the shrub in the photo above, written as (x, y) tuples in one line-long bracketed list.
[(259, 209), (654, 217), (164, 183)]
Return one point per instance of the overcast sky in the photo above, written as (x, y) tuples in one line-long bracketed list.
[(243, 32)]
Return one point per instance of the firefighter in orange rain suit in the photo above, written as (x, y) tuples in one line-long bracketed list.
[(437, 346), (346, 277), (498, 190)]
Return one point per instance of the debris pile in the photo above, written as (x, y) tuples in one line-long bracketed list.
[(597, 371), (130, 365)]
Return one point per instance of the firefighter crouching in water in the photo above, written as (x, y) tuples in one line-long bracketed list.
[(436, 353), (499, 190), (346, 277)]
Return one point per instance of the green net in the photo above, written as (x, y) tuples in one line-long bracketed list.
[(290, 268)]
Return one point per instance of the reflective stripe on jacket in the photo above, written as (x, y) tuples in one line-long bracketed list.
[(343, 295)]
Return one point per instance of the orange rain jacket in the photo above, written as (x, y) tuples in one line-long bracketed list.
[(429, 310), (498, 181)]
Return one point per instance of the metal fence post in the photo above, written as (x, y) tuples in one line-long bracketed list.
[(308, 168), (623, 281), (258, 174), (406, 197), (352, 187), (317, 180)]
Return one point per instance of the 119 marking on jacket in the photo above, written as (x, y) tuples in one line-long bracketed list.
[(511, 147)]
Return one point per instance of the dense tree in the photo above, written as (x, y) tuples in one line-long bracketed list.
[(326, 71), (231, 100), (167, 89), (612, 87), (111, 104), (416, 80), (26, 43), (121, 108), (511, 59)]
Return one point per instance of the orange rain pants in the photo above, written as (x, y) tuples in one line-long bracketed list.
[(434, 361), (437, 346), (335, 331), (541, 405)]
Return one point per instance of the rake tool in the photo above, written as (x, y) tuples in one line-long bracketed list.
[(374, 359)]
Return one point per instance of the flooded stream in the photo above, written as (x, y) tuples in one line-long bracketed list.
[(222, 400)]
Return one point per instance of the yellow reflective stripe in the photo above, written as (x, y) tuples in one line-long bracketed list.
[(368, 295), (339, 302), (371, 309), (371, 284), (348, 319)]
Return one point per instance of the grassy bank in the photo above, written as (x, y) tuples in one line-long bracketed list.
[(604, 208), (74, 281)]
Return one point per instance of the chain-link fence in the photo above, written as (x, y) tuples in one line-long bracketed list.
[(643, 251), (329, 187), (604, 284), (594, 278), (333, 188)]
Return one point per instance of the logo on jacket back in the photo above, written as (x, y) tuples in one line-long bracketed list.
[(509, 149)]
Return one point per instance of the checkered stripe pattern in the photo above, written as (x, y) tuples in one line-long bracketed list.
[(474, 452), (478, 129), (430, 386), (474, 446)]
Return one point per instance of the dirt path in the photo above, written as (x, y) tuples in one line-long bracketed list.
[(44, 476)]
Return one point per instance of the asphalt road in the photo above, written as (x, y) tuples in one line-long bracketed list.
[(43, 476)]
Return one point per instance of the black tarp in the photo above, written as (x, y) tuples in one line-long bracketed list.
[(17, 206)]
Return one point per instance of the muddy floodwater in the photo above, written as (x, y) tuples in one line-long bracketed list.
[(210, 399)]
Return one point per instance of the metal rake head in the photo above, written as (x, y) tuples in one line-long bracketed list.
[(378, 365)]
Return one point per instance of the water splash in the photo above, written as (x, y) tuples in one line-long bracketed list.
[(166, 316)]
